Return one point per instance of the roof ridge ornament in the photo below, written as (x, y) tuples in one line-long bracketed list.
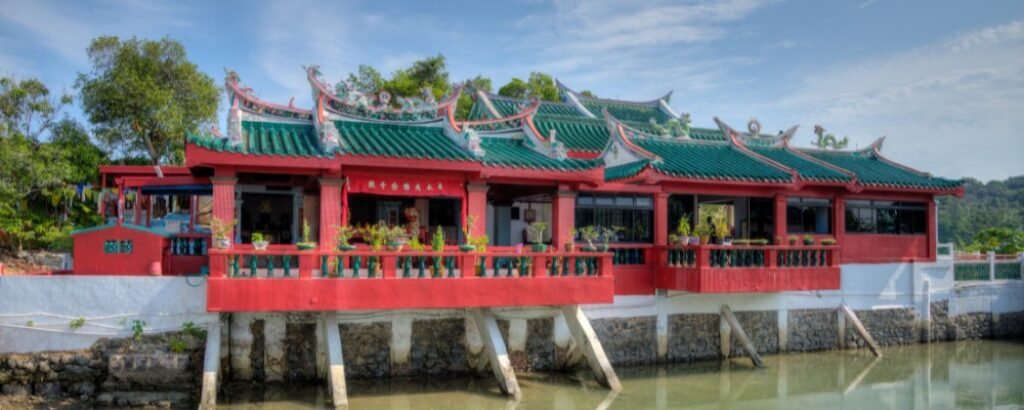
[(828, 141)]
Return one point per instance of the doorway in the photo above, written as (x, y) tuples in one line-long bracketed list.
[(269, 213)]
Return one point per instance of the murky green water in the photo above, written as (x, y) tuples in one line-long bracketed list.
[(983, 374)]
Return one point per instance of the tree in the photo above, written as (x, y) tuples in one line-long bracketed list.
[(588, 93), (996, 204), (998, 240), (144, 96), (367, 81), (538, 85), (515, 88), (27, 107), (430, 72), (465, 103)]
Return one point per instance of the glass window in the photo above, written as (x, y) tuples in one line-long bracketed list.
[(809, 215), (634, 214), (886, 217)]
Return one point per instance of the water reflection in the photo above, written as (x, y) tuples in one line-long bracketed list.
[(983, 374)]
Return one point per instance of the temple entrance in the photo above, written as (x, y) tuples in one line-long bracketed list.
[(269, 213), (510, 208), (422, 215)]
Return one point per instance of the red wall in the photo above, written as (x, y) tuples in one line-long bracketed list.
[(878, 248), (90, 259)]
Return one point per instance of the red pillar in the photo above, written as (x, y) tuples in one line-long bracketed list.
[(330, 211), (661, 222), (224, 197), (476, 205), (838, 224), (780, 217), (563, 217), (932, 229)]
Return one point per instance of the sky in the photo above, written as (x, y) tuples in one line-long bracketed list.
[(942, 80)]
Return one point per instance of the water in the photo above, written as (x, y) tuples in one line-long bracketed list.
[(968, 375)]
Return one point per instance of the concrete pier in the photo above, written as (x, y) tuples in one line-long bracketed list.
[(335, 363), (587, 341), (496, 352), (211, 368)]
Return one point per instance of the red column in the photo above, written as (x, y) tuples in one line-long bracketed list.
[(224, 197), (661, 222), (344, 202), (839, 218), (932, 229), (476, 205), (330, 211), (780, 217), (563, 217)]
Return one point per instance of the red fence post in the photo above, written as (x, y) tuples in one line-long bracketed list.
[(218, 262), (771, 257), (306, 263), (606, 265), (703, 257), (387, 265)]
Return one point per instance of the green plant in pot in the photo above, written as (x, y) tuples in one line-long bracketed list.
[(467, 232), (306, 243), (259, 242), (808, 240), (345, 234), (589, 234), (828, 241), (683, 230), (394, 237), (722, 230), (570, 242), (535, 232), (703, 232), (437, 245), (607, 235), (793, 240), (222, 231)]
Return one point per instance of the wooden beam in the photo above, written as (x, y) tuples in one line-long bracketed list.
[(496, 352), (587, 341), (211, 367), (859, 327), (744, 340), (860, 376), (335, 362)]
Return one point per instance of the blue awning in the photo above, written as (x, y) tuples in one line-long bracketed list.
[(178, 190)]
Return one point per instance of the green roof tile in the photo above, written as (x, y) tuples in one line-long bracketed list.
[(624, 170), (706, 134), (692, 159), (479, 111), (510, 152), (626, 111), (872, 170), (808, 169), (271, 138), (577, 133), (399, 141)]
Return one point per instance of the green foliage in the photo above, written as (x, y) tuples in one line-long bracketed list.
[(996, 204), (415, 245), (190, 328), (538, 85), (144, 96), (590, 234), (77, 323), (588, 93), (437, 244), (138, 327), (26, 107), (609, 233), (535, 231), (345, 233), (998, 240), (465, 103), (367, 79), (430, 72), (177, 345), (683, 227), (256, 237)]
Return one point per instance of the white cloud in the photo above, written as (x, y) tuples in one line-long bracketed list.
[(783, 44), (952, 108)]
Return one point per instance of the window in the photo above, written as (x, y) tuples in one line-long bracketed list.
[(886, 217), (635, 214), (809, 215)]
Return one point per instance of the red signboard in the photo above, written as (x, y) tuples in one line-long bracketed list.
[(401, 185)]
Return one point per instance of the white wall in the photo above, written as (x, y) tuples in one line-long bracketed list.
[(109, 304)]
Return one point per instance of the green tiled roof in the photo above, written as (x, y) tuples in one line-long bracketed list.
[(626, 111), (624, 170), (871, 170), (510, 152), (478, 111), (577, 133), (268, 138), (398, 141), (271, 138), (706, 134), (707, 160), (557, 108), (506, 107), (807, 169)]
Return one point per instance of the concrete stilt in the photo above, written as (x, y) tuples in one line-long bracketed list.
[(744, 340), (587, 341), (724, 337), (496, 351), (859, 327), (841, 328), (860, 376), (335, 362), (211, 368)]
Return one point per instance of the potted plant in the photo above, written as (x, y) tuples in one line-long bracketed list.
[(778, 240), (828, 241), (683, 230), (759, 242), (570, 242), (589, 234), (535, 232), (703, 232), (722, 230), (222, 231), (793, 239), (741, 242), (808, 240), (673, 239), (607, 234), (306, 244), (258, 242), (416, 246), (345, 233), (394, 237), (437, 245), (467, 233)]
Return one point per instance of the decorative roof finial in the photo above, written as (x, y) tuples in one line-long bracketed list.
[(828, 140), (754, 126)]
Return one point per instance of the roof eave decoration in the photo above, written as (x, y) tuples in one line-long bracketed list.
[(347, 102), (571, 97), (851, 185), (736, 143), (876, 150), (245, 106), (481, 97), (754, 132), (619, 150)]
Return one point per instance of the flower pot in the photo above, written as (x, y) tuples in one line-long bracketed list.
[(693, 240), (704, 240), (261, 245), (589, 249), (467, 248), (305, 246), (222, 243), (346, 247), (808, 242), (393, 246), (538, 247), (727, 242), (569, 246)]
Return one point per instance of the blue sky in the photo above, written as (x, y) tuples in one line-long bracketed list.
[(943, 80)]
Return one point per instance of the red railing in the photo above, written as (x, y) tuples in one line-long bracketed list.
[(282, 279), (748, 268)]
